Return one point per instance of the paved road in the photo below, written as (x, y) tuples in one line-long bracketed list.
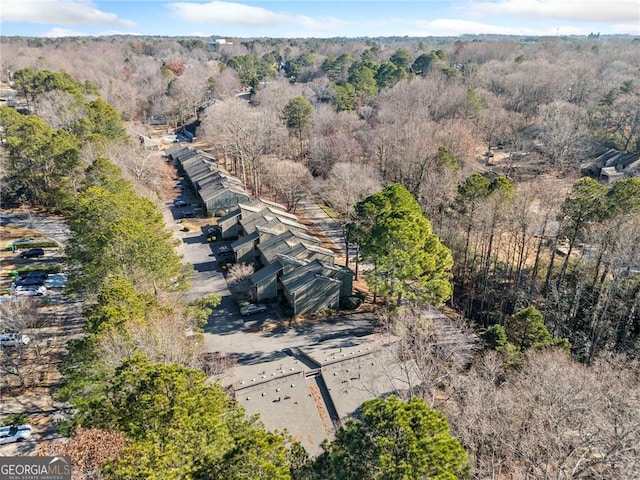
[(243, 337), (49, 225)]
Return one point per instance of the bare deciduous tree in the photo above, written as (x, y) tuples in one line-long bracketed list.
[(290, 181), (21, 364), (238, 278), (563, 135), (165, 337), (247, 134), (431, 348), (552, 418)]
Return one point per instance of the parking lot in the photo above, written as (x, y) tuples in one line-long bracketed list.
[(49, 320)]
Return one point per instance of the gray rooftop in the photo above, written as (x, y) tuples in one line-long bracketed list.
[(285, 390), (266, 272), (252, 237), (294, 283)]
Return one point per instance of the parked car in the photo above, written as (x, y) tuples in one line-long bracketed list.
[(31, 291), (212, 233), (14, 339), (14, 433), (253, 308), (181, 203), (189, 213), (32, 253), (29, 282), (24, 240), (35, 274), (226, 254)]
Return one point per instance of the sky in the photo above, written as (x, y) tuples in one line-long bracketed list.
[(317, 18)]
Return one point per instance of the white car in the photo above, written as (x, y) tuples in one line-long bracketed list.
[(14, 433), (253, 308), (14, 339), (31, 291)]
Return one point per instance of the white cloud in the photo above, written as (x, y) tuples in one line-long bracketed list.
[(63, 32), (446, 27), (449, 27), (612, 11), (231, 13), (226, 13), (107, 33), (62, 12), (321, 24)]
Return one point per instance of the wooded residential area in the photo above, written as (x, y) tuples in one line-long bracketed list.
[(495, 177)]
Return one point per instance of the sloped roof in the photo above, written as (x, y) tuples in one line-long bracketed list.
[(269, 203), (306, 266), (266, 272), (330, 270), (220, 187), (199, 157), (283, 243), (263, 229), (169, 152), (183, 155), (244, 240), (263, 217), (304, 250), (179, 151), (199, 168), (628, 159), (295, 284), (326, 269), (248, 208), (292, 223), (232, 214), (216, 175), (281, 212)]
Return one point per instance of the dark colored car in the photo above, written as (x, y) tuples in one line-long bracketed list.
[(35, 274), (188, 214), (227, 254), (30, 282), (32, 253), (213, 233), (181, 203)]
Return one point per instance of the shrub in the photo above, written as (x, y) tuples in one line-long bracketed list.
[(16, 419), (350, 303), (36, 243), (42, 268)]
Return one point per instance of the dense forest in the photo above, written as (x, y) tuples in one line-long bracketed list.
[(493, 138)]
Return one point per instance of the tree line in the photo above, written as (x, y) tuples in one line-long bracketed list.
[(539, 261), (141, 402)]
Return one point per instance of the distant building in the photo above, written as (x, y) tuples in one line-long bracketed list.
[(219, 44), (609, 165)]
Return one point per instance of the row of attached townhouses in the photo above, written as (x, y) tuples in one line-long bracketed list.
[(290, 263)]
